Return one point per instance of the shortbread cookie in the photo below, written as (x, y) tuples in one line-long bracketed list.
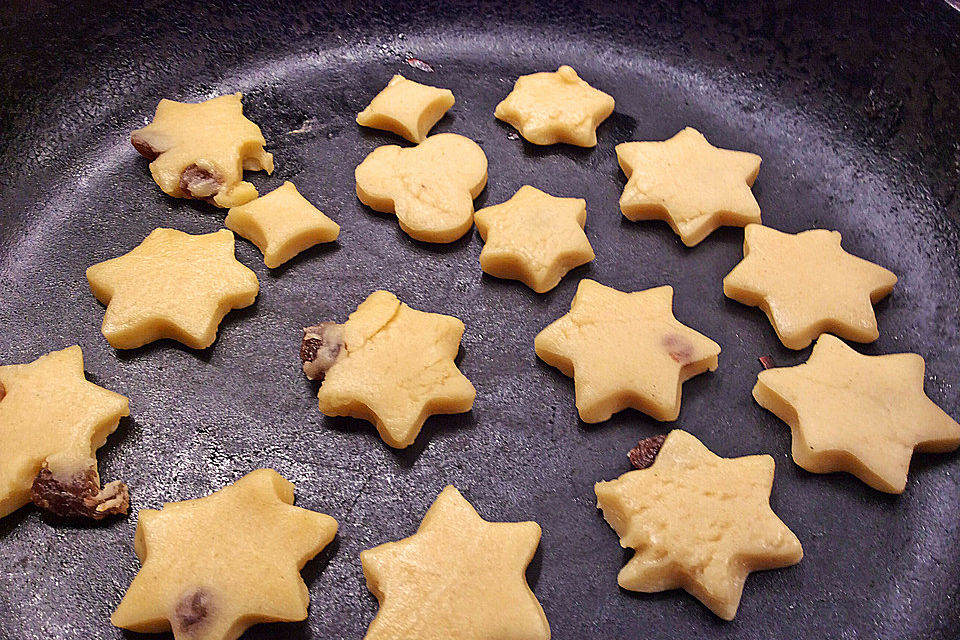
[(458, 577), (808, 285), (282, 224), (214, 566), (861, 414), (557, 106), (389, 364), (201, 150), (429, 187), (625, 350), (406, 108), (697, 522), (172, 285), (52, 421), (690, 184)]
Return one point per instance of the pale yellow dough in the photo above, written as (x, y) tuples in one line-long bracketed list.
[(396, 368), (282, 224), (429, 187), (688, 183), (406, 108), (808, 285), (697, 522), (214, 566), (50, 413), (214, 138), (625, 350), (861, 414), (534, 237), (557, 106), (458, 577), (172, 285)]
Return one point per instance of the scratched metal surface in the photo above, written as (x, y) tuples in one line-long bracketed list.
[(855, 108)]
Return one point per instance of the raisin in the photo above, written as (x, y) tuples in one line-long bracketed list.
[(679, 348), (766, 362), (143, 147), (320, 349), (643, 455), (197, 182), (79, 496), (192, 610)]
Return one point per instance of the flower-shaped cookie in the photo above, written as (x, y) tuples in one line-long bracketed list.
[(534, 237), (201, 150), (557, 106), (687, 182), (808, 285), (430, 187), (406, 108)]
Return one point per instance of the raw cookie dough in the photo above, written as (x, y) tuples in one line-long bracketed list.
[(282, 224), (429, 187), (534, 237), (391, 365), (551, 107), (172, 285), (458, 577), (214, 566), (625, 350), (201, 150), (52, 421), (861, 414), (692, 185), (697, 522), (406, 108), (808, 285)]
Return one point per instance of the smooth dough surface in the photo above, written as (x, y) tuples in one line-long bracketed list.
[(406, 108)]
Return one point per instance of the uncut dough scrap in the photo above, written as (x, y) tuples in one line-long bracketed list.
[(406, 108)]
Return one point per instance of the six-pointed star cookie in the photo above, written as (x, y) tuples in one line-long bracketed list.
[(394, 366), (52, 421), (856, 413), (201, 150), (214, 566), (534, 237), (172, 285), (458, 577), (406, 108), (625, 350), (697, 522), (808, 285), (555, 106), (689, 183)]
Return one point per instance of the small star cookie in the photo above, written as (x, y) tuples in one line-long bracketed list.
[(551, 107), (201, 150), (391, 365), (52, 421), (215, 566), (690, 184), (625, 350), (459, 576), (172, 285), (697, 522), (406, 108), (808, 285), (534, 237), (861, 414), (282, 224), (429, 187)]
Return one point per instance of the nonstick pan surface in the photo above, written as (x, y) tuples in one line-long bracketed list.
[(854, 106)]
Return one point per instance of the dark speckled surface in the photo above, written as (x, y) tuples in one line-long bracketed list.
[(854, 106)]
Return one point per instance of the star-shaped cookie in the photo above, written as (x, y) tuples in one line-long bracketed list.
[(430, 187), (458, 577), (625, 350), (808, 285), (534, 237), (201, 150), (555, 106), (692, 185), (862, 414), (214, 566), (394, 366), (406, 108), (172, 285), (697, 522), (52, 421)]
